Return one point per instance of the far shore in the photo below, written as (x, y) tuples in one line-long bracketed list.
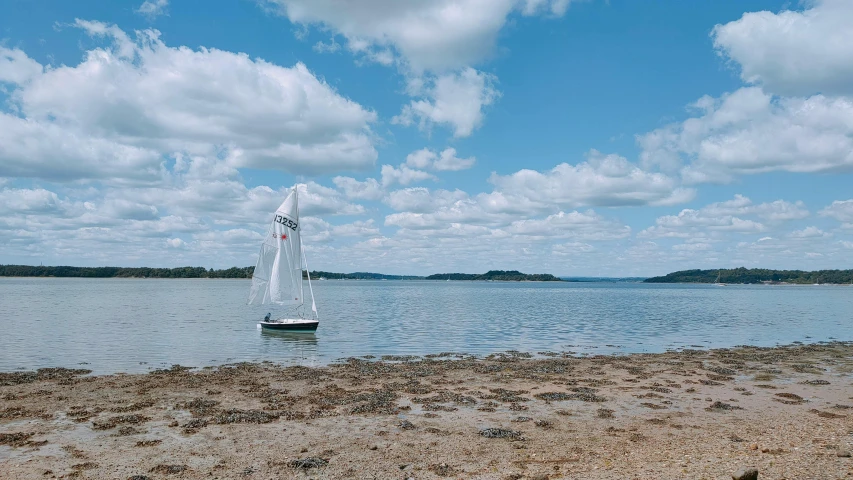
[(703, 414)]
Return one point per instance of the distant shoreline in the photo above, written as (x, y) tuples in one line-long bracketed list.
[(42, 271), (757, 276)]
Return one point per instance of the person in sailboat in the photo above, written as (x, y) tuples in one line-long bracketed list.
[(267, 318)]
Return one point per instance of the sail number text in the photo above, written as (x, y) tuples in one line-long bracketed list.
[(285, 221)]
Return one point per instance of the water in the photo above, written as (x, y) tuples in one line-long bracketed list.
[(130, 325)]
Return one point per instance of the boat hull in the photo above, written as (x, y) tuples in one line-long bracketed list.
[(291, 325)]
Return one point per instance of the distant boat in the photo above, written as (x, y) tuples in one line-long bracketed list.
[(277, 279), (717, 281)]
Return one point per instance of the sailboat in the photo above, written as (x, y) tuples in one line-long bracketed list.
[(277, 279), (717, 281)]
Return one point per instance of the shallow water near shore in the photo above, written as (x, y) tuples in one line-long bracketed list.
[(135, 325)]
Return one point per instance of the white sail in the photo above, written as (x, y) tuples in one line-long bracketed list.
[(278, 274)]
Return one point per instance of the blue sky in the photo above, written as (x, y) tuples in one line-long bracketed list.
[(569, 137)]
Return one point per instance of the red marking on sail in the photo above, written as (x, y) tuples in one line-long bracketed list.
[(284, 236)]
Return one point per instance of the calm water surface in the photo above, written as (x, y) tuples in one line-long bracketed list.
[(129, 325)]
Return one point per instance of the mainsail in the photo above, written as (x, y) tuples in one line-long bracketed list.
[(278, 274)]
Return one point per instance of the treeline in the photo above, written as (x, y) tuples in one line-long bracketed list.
[(497, 275), (358, 276), (123, 272), (756, 275)]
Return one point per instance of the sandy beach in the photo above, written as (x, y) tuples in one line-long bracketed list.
[(693, 414)]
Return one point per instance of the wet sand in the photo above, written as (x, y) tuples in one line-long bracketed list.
[(693, 414)]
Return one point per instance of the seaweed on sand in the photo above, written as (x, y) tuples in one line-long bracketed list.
[(244, 416), (310, 462), (500, 433)]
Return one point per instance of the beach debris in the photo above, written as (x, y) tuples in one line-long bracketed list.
[(133, 407), (8, 379), (85, 466), (583, 394), (500, 433), (442, 470), (310, 462), (719, 406), (604, 413), (826, 414), (194, 425), (11, 413), (127, 430), (244, 416), (546, 424), (736, 438), (747, 473), (139, 477), (722, 370), (653, 406), (406, 425), (199, 407), (111, 422), (148, 443), (816, 382), (522, 419), (168, 469), (20, 439), (789, 398)]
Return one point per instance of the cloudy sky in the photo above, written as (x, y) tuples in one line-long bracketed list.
[(603, 138)]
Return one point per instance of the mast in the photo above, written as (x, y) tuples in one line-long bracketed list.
[(311, 290)]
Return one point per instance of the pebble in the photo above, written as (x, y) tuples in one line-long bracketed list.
[(753, 446), (748, 473), (843, 453)]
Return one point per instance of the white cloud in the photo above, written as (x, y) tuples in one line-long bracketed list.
[(841, 210), (356, 229), (454, 99), (76, 122), (428, 35), (315, 199), (727, 216), (809, 232), (403, 175), (153, 8), (571, 248), (580, 225), (17, 67), (369, 189), (749, 132), (776, 211), (603, 180), (446, 160), (421, 200), (793, 52)]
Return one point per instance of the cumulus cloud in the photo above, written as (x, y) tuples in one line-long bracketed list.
[(750, 131), (16, 67), (793, 52), (422, 200), (153, 8), (841, 210), (426, 35), (603, 180), (127, 107), (446, 160), (455, 99), (728, 216), (369, 189), (403, 175)]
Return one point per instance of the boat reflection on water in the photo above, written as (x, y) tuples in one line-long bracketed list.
[(297, 339), (299, 348)]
